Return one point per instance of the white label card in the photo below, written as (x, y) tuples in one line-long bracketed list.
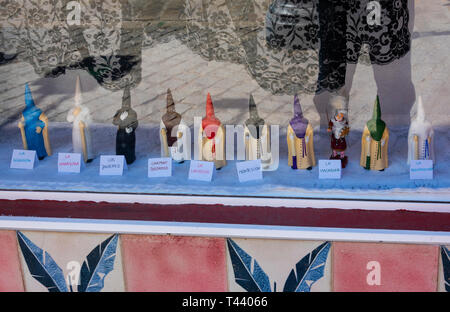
[(249, 170), (330, 169), (421, 170), (159, 167), (22, 159), (69, 162), (201, 170), (112, 165)]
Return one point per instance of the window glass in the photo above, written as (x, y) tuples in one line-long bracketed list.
[(288, 84)]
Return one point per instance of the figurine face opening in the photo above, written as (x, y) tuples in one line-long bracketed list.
[(291, 77)]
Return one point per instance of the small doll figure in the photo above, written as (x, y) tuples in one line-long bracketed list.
[(374, 142), (80, 117), (420, 137), (212, 138), (34, 128), (174, 134), (300, 140), (257, 138), (339, 129), (126, 120)]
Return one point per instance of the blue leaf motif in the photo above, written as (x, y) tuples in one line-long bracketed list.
[(252, 281), (42, 266), (309, 270), (446, 267), (97, 265)]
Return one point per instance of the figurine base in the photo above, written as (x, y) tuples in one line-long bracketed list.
[(368, 169), (344, 161)]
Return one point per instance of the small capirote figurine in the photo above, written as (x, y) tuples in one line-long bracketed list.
[(300, 140), (374, 142), (420, 136), (338, 127), (212, 138), (174, 134), (80, 117), (126, 120), (34, 128), (257, 138)]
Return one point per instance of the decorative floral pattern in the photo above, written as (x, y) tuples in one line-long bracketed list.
[(297, 46), (287, 46), (38, 33)]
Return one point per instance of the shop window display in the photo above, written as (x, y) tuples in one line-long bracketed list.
[(299, 77)]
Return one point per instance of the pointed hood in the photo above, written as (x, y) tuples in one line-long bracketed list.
[(420, 115), (419, 124), (171, 118), (126, 98), (299, 124), (210, 123), (131, 119), (78, 96), (170, 103), (29, 102), (31, 113), (376, 126), (210, 108), (254, 122)]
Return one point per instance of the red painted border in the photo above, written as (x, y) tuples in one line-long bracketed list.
[(305, 217)]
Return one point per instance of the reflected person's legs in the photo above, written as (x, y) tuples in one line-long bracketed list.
[(332, 55), (322, 100), (396, 90), (395, 87)]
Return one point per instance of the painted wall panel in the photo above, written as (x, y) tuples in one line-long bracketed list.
[(59, 259), (10, 272), (384, 267), (271, 262), (174, 263), (444, 269)]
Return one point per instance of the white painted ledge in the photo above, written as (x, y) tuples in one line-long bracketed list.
[(223, 230), (230, 201)]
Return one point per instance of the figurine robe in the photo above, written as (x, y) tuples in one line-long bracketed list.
[(420, 137), (178, 147), (34, 128), (301, 150), (80, 118), (374, 154), (375, 142), (126, 120), (421, 147), (126, 142), (35, 136), (81, 134), (259, 148), (213, 148)]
